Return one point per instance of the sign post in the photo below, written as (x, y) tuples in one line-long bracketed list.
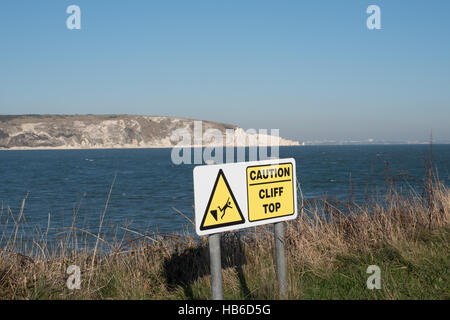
[(280, 258), (216, 266), (241, 195)]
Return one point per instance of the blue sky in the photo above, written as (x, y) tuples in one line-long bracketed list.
[(310, 68)]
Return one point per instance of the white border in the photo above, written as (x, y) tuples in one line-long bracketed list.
[(236, 175)]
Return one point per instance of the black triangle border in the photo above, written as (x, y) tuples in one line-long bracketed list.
[(202, 227)]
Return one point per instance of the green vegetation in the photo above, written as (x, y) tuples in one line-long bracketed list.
[(328, 250), (410, 270)]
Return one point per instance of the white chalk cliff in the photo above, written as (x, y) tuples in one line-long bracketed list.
[(124, 131)]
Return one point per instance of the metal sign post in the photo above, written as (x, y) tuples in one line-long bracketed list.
[(215, 266), (280, 258), (240, 195), (215, 263)]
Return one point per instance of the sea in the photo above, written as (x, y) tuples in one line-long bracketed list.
[(141, 191)]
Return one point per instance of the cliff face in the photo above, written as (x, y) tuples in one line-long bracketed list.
[(109, 131)]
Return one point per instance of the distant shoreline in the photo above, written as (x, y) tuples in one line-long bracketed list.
[(197, 146), (130, 147)]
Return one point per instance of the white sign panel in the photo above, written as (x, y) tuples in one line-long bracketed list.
[(245, 194)]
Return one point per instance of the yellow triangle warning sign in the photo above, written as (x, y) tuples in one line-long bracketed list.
[(222, 209)]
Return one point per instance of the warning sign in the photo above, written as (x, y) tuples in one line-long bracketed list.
[(234, 196), (222, 209), (270, 190)]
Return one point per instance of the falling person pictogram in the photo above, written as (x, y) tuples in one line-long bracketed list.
[(225, 207), (222, 209)]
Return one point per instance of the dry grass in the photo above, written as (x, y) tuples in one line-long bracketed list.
[(156, 266)]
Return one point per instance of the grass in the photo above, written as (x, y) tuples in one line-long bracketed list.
[(328, 250), (417, 270)]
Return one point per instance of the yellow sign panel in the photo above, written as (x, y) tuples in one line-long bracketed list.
[(222, 209), (270, 191)]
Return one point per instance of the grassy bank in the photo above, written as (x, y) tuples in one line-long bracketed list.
[(328, 250)]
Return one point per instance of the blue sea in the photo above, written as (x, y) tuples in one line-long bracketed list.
[(58, 185)]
